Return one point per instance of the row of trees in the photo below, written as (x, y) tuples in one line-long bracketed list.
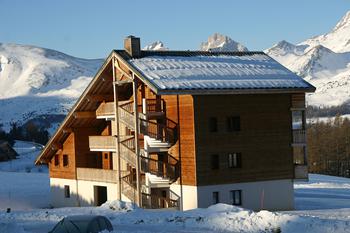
[(27, 132), (329, 147)]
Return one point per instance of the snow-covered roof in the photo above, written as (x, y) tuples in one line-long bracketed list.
[(179, 71)]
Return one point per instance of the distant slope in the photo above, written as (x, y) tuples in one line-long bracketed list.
[(37, 81), (324, 61)]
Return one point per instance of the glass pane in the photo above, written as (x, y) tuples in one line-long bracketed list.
[(297, 119)]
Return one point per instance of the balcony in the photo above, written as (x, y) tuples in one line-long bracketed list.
[(99, 175), (102, 143), (105, 111), (299, 137), (301, 172)]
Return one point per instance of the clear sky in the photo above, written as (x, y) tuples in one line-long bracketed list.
[(91, 29)]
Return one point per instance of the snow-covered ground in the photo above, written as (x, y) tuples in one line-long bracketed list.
[(322, 205), (27, 151)]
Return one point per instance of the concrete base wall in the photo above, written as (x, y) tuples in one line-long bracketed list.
[(269, 195), (81, 192)]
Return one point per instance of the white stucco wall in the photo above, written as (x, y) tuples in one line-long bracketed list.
[(188, 194), (87, 195), (81, 192), (269, 195), (57, 192)]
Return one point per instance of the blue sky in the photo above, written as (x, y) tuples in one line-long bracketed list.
[(91, 29)]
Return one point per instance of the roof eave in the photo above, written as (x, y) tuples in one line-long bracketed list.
[(235, 91), (40, 160)]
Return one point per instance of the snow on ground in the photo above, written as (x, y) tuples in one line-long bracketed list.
[(24, 191), (322, 205), (28, 151)]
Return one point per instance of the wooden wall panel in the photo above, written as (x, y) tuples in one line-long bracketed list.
[(264, 139), (84, 157), (184, 149), (298, 100), (69, 171)]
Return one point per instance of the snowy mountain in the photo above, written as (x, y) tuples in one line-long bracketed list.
[(157, 45), (218, 42), (337, 39), (324, 61), (39, 82)]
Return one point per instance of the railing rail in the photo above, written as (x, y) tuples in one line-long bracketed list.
[(105, 109), (164, 132), (128, 187), (97, 174), (166, 169), (156, 202), (299, 136), (107, 143), (126, 114), (127, 150)]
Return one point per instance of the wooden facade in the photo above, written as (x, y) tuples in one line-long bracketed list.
[(123, 115), (264, 138)]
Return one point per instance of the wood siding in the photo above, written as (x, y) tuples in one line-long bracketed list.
[(180, 110), (68, 172), (264, 139)]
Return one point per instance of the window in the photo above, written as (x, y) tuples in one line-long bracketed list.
[(66, 191), (234, 160), (215, 197), (213, 124), (298, 119), (57, 160), (215, 162), (65, 160), (106, 155), (233, 123), (236, 197)]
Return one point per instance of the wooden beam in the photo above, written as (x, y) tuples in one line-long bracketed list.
[(84, 115), (100, 98), (124, 73), (56, 146), (67, 130)]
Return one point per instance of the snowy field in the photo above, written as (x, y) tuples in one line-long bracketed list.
[(322, 205), (27, 152)]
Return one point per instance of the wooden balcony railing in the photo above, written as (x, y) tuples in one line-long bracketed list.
[(169, 169), (105, 110), (99, 175), (301, 172), (157, 202), (299, 136), (102, 143)]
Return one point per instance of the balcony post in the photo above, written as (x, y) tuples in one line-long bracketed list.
[(116, 119), (137, 149)]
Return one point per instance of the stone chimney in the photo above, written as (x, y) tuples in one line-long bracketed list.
[(132, 46)]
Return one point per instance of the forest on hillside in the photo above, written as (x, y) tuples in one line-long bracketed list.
[(328, 146)]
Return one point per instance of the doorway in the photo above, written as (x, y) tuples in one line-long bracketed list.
[(100, 194)]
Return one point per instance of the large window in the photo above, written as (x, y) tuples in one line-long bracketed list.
[(57, 160), (215, 162), (65, 160), (234, 160), (213, 124), (215, 197), (233, 123), (66, 191), (236, 197)]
